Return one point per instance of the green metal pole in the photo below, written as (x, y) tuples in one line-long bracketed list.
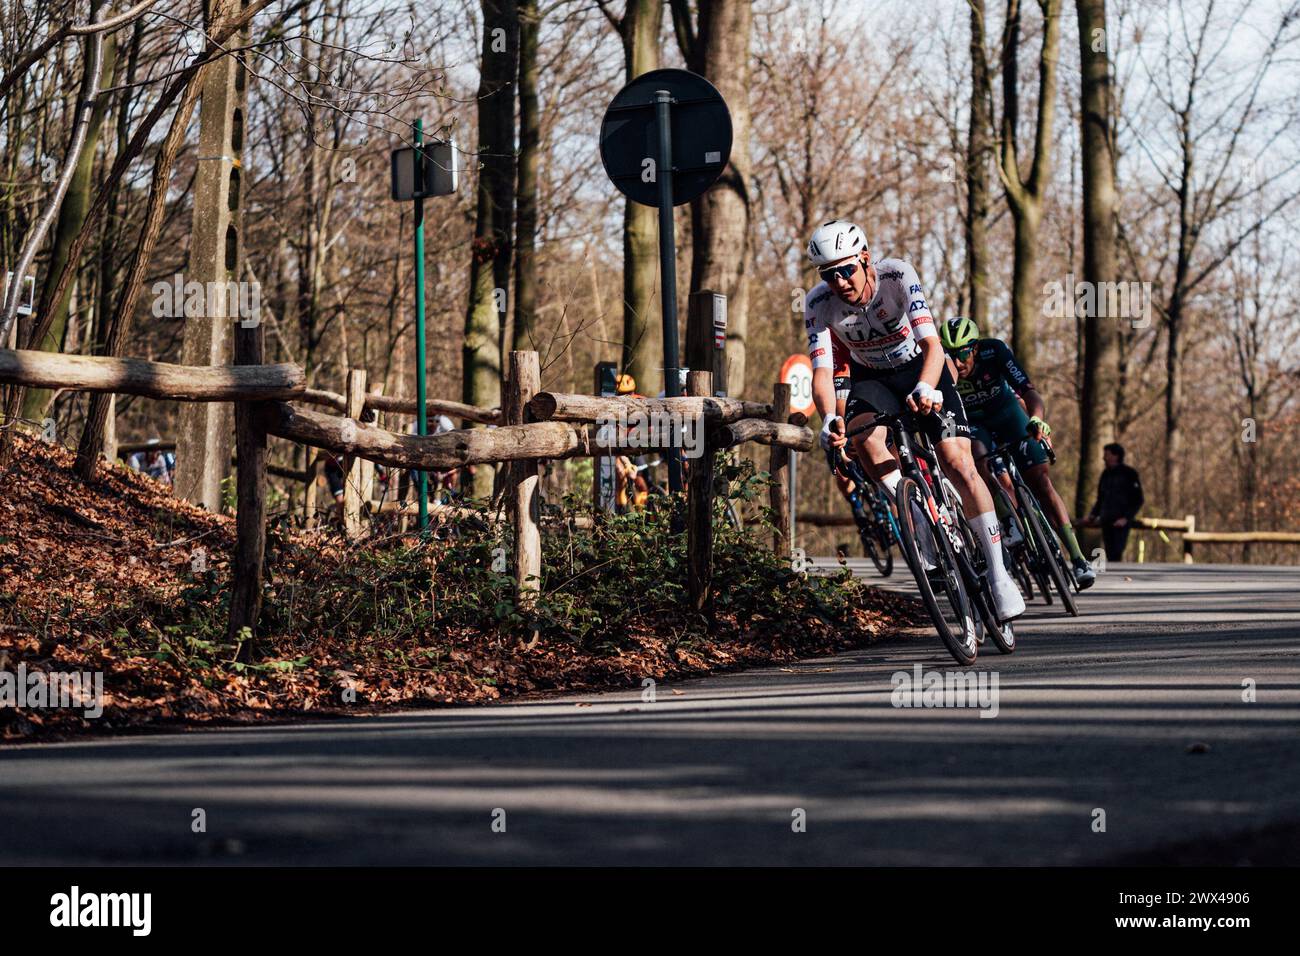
[(420, 385)]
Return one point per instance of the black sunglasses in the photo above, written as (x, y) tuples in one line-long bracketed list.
[(845, 272), (961, 353)]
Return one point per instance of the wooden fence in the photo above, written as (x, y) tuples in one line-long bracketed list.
[(532, 426), (1187, 527)]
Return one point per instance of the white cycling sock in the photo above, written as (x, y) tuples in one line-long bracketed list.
[(891, 480), (986, 530)]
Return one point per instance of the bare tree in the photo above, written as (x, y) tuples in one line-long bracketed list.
[(490, 255), (639, 28), (716, 44), (530, 134), (1025, 194), (1097, 409), (979, 150), (1215, 114)]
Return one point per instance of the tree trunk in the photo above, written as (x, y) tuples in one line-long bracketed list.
[(526, 198), (1097, 411), (979, 148), (1176, 314), (490, 254), (1026, 292), (642, 327), (204, 432), (1025, 194), (720, 218), (92, 435), (72, 216)]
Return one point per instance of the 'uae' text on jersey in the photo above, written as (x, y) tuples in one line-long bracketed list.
[(883, 333)]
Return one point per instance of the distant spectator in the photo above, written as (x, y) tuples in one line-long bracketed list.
[(158, 464), (335, 478), (1119, 499), (437, 480)]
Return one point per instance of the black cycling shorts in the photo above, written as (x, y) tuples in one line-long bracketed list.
[(885, 390)]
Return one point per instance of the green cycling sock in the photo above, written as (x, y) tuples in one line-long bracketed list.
[(1067, 532)]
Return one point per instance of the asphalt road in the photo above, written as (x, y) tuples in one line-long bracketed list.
[(1135, 709)]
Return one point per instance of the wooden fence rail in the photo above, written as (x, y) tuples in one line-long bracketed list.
[(160, 380), (563, 406), (404, 406)]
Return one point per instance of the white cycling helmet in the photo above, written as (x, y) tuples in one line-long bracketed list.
[(835, 240)]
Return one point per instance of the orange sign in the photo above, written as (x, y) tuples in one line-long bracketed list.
[(798, 374)]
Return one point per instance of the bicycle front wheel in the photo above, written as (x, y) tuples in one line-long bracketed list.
[(1049, 549), (941, 590)]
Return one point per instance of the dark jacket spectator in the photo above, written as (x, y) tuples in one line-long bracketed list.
[(1119, 499)]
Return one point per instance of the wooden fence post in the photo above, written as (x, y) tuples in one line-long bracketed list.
[(1187, 545), (521, 478), (356, 404), (699, 505), (779, 468), (250, 518)]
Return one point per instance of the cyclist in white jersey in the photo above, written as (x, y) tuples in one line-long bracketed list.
[(896, 362)]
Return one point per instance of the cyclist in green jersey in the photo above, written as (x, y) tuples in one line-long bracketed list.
[(991, 384)]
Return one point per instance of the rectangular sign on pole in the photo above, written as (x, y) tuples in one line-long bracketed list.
[(420, 171), (26, 294), (719, 321), (439, 176)]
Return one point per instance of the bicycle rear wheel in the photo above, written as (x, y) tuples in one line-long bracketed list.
[(945, 597), (1020, 563), (885, 545), (1025, 577), (1049, 550), (875, 545)]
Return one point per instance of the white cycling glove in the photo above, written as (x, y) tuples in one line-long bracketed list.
[(826, 430), (923, 391)]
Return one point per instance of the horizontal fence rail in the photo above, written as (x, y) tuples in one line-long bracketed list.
[(405, 406), (160, 380)]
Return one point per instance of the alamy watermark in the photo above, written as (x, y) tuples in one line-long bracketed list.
[(176, 298), (75, 690), (976, 690), (654, 428), (1113, 300), (133, 911)]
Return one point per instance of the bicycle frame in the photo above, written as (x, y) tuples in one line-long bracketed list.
[(879, 506), (910, 457), (1001, 459)]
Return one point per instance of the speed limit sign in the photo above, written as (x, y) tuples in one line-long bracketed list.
[(798, 374)]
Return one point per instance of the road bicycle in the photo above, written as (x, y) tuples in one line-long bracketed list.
[(1036, 557), (941, 549), (877, 528)]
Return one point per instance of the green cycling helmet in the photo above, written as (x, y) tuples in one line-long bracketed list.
[(958, 332)]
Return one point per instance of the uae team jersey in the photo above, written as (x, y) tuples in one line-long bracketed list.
[(883, 333)]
